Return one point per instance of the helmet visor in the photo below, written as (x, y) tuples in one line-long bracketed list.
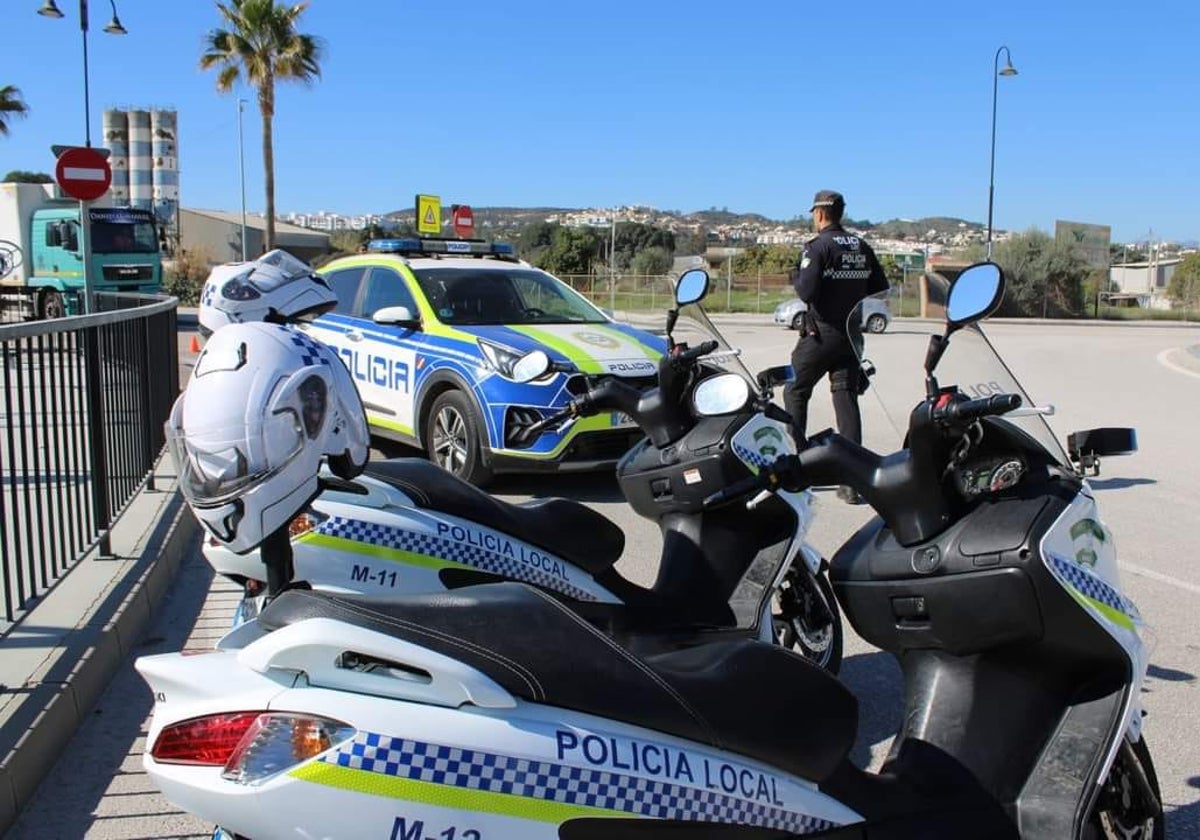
[(217, 464)]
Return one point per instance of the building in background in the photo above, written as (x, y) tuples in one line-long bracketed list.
[(1143, 284), (144, 156), (216, 236)]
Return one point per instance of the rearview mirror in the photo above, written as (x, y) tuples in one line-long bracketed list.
[(1085, 448), (724, 393), (533, 365), (773, 377), (70, 236), (401, 316), (54, 235), (975, 295), (692, 286)]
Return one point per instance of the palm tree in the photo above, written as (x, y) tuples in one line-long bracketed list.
[(261, 41), (11, 105)]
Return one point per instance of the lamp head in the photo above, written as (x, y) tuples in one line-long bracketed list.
[(1008, 69), (50, 10), (114, 27)]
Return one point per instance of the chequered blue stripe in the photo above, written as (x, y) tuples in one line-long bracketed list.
[(1089, 584), (431, 546), (311, 353), (752, 457), (546, 780)]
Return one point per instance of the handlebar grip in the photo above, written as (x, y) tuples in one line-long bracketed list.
[(959, 412), (703, 349), (733, 491)]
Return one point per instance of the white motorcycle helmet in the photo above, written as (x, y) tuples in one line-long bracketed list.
[(276, 287), (264, 405)]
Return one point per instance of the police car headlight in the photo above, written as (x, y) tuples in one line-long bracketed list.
[(499, 358)]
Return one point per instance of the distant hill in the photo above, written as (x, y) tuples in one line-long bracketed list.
[(516, 217)]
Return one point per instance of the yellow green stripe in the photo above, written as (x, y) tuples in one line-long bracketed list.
[(376, 420), (1115, 616), (377, 551), (445, 796)]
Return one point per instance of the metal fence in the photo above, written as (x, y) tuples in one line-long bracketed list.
[(653, 293), (84, 400)]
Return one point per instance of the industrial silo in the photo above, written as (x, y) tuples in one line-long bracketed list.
[(165, 175), (141, 161), (116, 138)]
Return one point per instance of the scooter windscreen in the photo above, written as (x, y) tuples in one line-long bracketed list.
[(893, 362)]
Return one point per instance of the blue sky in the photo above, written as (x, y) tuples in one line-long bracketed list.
[(680, 106)]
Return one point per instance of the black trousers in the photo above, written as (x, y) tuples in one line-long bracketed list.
[(826, 351)]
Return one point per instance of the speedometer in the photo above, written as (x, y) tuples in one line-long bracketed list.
[(1005, 475)]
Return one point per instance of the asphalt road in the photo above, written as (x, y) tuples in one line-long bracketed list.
[(1108, 375)]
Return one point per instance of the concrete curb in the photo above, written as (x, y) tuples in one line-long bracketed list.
[(59, 659)]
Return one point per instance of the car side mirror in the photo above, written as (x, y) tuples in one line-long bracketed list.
[(400, 316), (1085, 448)]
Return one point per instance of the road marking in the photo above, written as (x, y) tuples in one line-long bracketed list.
[(1165, 361), (1160, 577)]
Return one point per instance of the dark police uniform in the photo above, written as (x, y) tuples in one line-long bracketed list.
[(836, 271)]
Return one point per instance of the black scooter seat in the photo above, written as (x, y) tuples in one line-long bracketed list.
[(573, 531), (741, 695)]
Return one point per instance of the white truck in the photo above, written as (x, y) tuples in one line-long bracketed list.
[(41, 262)]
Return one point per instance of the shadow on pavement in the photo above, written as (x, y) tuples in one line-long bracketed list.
[(878, 685), (107, 749), (1118, 483), (1169, 674)]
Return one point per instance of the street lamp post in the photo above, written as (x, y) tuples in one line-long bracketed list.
[(242, 170), (1008, 70), (113, 27)]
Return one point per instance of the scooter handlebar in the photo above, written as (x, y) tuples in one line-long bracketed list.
[(969, 410)]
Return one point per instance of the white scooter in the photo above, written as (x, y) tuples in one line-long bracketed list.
[(500, 712), (405, 526)]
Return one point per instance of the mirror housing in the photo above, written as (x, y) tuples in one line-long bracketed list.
[(773, 377), (400, 316), (724, 393), (975, 294), (69, 234), (691, 287), (533, 365), (1086, 447), (54, 235)]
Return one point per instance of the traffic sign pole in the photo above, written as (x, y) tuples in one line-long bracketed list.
[(85, 246)]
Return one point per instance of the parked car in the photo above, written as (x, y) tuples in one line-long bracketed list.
[(876, 315), (431, 329)]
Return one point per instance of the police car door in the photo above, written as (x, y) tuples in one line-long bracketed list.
[(383, 362), (338, 327)]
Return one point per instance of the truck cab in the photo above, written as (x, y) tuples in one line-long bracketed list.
[(48, 279)]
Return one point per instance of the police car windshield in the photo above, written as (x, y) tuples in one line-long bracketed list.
[(466, 296)]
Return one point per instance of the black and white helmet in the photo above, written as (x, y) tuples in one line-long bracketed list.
[(276, 287), (264, 405)]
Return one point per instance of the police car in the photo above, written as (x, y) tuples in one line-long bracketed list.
[(430, 330)]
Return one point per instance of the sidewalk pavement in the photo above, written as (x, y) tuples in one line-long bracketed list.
[(59, 659)]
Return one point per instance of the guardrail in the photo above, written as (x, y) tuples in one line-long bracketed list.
[(84, 400)]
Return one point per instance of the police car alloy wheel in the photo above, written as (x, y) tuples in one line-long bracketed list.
[(452, 439), (797, 320), (876, 324)]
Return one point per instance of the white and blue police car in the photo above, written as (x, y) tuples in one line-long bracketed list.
[(430, 330)]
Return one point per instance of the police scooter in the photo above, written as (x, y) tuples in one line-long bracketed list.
[(406, 526), (500, 712)]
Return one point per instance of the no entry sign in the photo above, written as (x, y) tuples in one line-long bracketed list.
[(463, 220), (83, 173)]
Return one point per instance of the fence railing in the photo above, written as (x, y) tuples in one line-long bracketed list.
[(84, 400)]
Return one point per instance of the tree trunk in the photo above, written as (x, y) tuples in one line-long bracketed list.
[(267, 104)]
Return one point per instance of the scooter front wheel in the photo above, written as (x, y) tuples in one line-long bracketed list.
[(806, 618), (1130, 803)]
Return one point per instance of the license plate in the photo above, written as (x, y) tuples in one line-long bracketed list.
[(620, 418)]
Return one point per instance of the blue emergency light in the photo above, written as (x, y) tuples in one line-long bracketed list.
[(468, 247)]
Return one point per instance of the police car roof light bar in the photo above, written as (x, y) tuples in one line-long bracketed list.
[(470, 247)]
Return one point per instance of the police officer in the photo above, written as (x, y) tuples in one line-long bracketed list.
[(835, 272)]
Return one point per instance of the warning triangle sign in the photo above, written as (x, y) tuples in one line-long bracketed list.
[(429, 214), (430, 218)]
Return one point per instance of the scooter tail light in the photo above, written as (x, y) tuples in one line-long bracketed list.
[(277, 742), (208, 740)]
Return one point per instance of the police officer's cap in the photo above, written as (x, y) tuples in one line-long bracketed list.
[(827, 198)]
